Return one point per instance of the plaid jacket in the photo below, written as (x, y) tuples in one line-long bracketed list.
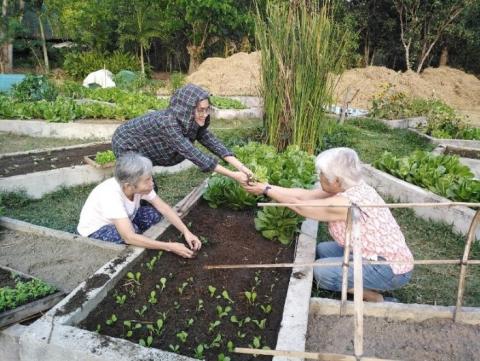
[(166, 137)]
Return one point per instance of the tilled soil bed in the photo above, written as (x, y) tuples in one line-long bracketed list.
[(191, 301), (48, 160), (432, 340)]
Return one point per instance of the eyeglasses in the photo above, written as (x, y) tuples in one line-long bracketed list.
[(203, 111)]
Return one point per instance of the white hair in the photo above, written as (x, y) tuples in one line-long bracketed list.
[(130, 167), (341, 163)]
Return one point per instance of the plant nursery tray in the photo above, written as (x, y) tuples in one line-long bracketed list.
[(203, 313), (29, 309), (30, 162), (90, 159)]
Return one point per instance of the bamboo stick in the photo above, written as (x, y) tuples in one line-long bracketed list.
[(463, 267), (385, 205), (357, 282), (346, 259), (305, 355), (329, 264)]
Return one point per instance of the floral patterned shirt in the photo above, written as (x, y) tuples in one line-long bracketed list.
[(381, 235)]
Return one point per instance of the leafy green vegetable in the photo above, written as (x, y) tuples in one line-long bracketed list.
[(226, 103), (278, 223), (33, 88), (441, 174), (24, 292), (105, 157)]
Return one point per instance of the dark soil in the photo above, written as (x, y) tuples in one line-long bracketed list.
[(48, 160), (232, 239), (6, 279), (466, 153)]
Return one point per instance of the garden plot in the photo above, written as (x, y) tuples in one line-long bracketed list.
[(22, 296), (59, 258), (396, 331), (153, 298), (41, 172)]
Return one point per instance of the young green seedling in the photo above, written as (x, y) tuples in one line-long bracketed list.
[(230, 346), (134, 277), (150, 264), (200, 305), (99, 328), (212, 290), (205, 241), (222, 357), (226, 296), (157, 327), (120, 299), (148, 342), (266, 309), (111, 320), (182, 287), (128, 326), (221, 312), (176, 305), (163, 283), (159, 254), (182, 336), (190, 322), (257, 278), (251, 296), (174, 348), (261, 324), (216, 341), (213, 325), (152, 299), (199, 352), (241, 335), (141, 311)]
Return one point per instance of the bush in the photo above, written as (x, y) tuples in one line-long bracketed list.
[(33, 88), (177, 80), (79, 65)]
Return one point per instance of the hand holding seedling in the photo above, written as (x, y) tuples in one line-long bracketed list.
[(193, 242), (180, 249), (256, 188)]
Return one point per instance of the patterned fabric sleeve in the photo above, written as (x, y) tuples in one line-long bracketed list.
[(174, 137), (213, 144)]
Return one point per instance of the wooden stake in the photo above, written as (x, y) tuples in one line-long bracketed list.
[(463, 267), (346, 259), (305, 355), (386, 205), (357, 282), (328, 264)]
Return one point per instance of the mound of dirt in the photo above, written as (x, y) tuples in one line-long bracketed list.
[(238, 74), (455, 87)]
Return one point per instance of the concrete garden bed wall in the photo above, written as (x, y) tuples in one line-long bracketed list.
[(412, 123), (459, 217), (37, 184), (56, 337)]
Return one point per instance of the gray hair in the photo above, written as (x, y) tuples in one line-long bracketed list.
[(341, 163), (130, 166)]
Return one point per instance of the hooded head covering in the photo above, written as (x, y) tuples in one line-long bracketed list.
[(183, 103)]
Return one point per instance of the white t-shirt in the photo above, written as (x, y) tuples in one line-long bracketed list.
[(105, 203)]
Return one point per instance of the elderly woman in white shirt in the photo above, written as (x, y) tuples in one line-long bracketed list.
[(341, 185), (112, 211)]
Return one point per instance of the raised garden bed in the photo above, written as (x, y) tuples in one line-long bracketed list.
[(396, 331), (22, 296), (30, 162), (62, 259), (186, 321)]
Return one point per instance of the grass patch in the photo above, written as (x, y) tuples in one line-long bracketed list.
[(61, 209), (371, 138), (433, 284), (10, 142)]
